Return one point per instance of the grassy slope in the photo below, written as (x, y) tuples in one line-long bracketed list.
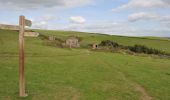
[(78, 74), (158, 43)]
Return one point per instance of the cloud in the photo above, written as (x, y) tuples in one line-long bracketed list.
[(77, 19), (144, 4), (165, 20), (49, 17), (145, 16), (44, 21), (37, 4), (40, 25), (116, 28), (166, 1), (142, 16), (119, 28)]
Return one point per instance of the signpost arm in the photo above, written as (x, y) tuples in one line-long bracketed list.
[(21, 57)]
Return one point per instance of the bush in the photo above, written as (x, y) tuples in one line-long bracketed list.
[(109, 43), (43, 37), (144, 49)]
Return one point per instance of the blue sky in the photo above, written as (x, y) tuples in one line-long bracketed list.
[(116, 17)]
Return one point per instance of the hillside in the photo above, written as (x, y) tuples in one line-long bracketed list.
[(80, 74), (87, 38)]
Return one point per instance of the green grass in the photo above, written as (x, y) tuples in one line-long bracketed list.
[(79, 74)]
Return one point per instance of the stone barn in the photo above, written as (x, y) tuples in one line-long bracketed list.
[(72, 42), (94, 46)]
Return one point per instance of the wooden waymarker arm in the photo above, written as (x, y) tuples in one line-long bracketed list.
[(28, 23)]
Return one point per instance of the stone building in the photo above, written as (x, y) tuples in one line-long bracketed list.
[(72, 42), (94, 46)]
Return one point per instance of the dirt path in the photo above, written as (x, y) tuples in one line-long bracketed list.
[(145, 95), (137, 87)]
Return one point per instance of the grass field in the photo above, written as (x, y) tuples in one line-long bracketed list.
[(80, 74)]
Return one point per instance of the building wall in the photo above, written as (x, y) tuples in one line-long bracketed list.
[(72, 43)]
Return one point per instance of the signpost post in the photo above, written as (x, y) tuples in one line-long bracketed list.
[(22, 23)]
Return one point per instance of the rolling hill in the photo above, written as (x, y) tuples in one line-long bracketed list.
[(80, 74)]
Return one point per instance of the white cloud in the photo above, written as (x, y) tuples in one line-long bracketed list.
[(40, 25), (43, 22), (142, 16), (145, 16), (38, 4), (77, 19), (116, 28), (144, 4), (165, 19), (49, 17), (119, 28)]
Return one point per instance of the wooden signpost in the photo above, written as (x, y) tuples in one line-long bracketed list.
[(22, 23)]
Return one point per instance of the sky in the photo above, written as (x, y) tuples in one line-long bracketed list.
[(115, 17)]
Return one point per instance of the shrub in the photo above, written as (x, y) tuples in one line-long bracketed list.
[(109, 43), (43, 37), (144, 49)]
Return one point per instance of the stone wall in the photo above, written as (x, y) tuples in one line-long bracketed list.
[(9, 27)]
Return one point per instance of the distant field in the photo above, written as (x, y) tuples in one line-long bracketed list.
[(158, 38), (79, 74)]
